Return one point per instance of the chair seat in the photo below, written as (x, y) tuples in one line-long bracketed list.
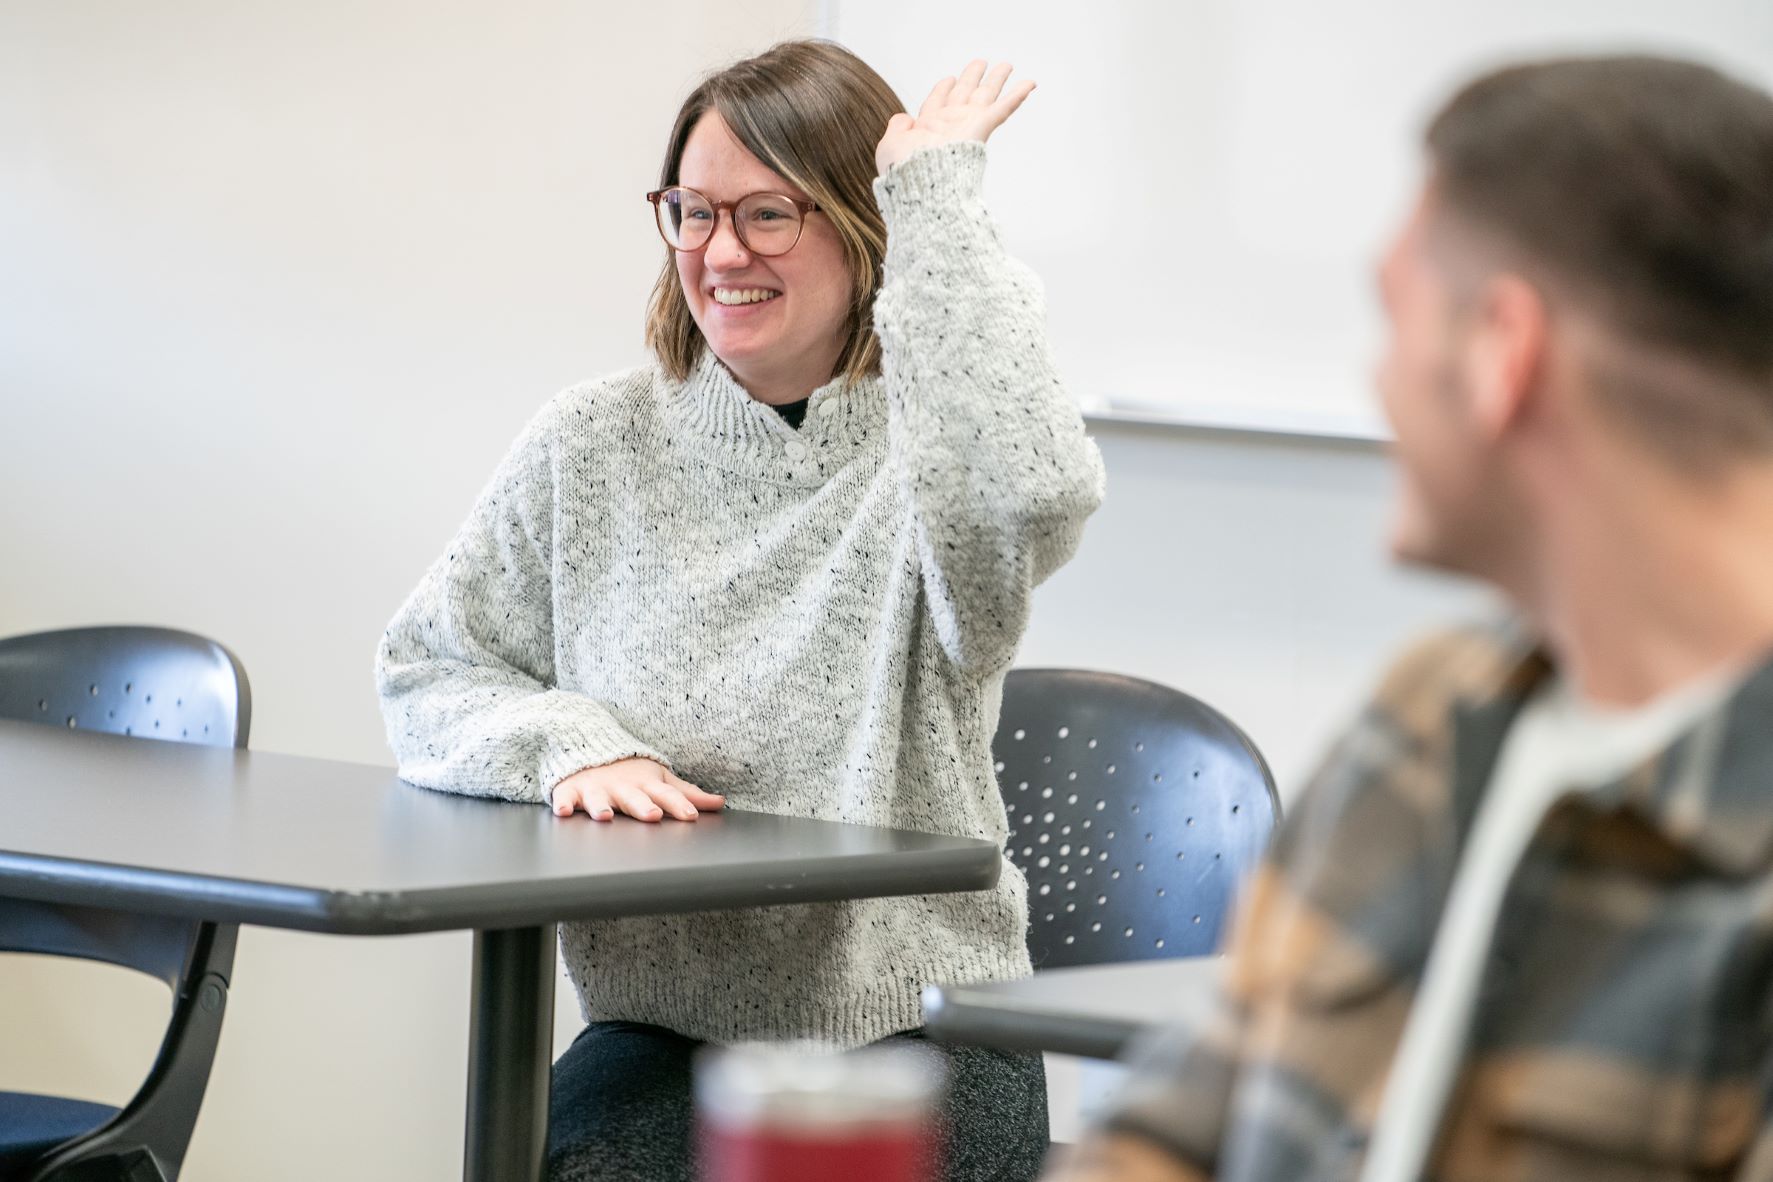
[(31, 1125)]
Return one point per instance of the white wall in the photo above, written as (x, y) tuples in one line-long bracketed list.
[(1271, 144), (279, 282)]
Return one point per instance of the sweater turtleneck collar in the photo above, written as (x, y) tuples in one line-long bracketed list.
[(715, 410)]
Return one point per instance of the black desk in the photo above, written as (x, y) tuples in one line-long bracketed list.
[(1092, 1010), (288, 842)]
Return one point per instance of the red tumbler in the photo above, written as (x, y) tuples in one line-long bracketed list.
[(801, 1113)]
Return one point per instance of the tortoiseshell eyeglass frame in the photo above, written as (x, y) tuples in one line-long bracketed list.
[(657, 197)]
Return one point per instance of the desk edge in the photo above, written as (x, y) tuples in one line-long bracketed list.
[(950, 1015), (974, 866)]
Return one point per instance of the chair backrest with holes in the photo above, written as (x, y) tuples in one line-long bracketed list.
[(1135, 811), (154, 683)]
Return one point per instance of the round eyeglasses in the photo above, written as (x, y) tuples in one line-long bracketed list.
[(767, 223)]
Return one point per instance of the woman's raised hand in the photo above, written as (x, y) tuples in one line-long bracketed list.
[(969, 107), (642, 788)]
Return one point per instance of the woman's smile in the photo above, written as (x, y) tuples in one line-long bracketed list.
[(737, 297)]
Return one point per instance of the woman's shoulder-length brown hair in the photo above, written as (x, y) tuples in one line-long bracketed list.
[(813, 112)]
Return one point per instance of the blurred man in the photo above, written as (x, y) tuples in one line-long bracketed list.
[(1521, 925)]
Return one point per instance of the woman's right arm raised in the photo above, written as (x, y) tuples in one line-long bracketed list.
[(465, 670)]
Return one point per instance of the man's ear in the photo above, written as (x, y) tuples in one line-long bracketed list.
[(1505, 354)]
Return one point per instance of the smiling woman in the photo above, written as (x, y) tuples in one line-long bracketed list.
[(769, 291), (801, 124), (675, 581)]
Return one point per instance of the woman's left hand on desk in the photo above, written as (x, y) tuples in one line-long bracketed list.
[(642, 788)]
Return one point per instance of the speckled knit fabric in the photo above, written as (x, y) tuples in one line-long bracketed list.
[(814, 622)]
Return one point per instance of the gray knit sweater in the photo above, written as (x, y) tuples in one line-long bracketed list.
[(813, 622)]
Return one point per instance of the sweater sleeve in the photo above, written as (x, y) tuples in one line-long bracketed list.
[(990, 450), (465, 671)]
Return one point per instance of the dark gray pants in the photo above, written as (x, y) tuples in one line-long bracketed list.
[(621, 1109)]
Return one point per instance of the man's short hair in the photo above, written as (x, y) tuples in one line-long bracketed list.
[(1640, 189)]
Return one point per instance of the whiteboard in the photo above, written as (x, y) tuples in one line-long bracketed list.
[(1281, 141)]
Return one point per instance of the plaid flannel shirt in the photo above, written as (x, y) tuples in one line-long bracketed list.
[(1622, 1025)]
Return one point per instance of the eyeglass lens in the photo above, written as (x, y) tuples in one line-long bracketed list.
[(766, 223)]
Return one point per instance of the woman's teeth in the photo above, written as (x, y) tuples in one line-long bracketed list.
[(748, 296)]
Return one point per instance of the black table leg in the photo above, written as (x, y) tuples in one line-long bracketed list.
[(509, 1052)]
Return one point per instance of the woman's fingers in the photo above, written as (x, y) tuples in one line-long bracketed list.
[(666, 795), (638, 788), (569, 797), (968, 81), (974, 104), (938, 98), (637, 802), (705, 801), (992, 85), (1006, 106)]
